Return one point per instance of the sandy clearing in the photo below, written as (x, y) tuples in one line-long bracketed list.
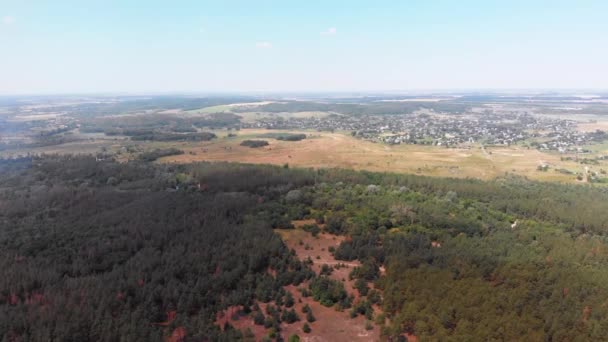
[(330, 325)]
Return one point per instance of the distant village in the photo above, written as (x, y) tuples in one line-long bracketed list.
[(488, 128)]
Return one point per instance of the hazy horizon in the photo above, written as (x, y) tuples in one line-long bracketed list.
[(363, 93), (69, 47)]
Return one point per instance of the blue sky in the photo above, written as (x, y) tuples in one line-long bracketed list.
[(174, 46)]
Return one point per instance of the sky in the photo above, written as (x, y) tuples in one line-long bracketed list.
[(136, 46)]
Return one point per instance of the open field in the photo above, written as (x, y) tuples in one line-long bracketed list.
[(226, 108), (329, 150), (341, 150), (593, 126), (253, 116)]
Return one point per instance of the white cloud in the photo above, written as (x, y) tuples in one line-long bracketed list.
[(263, 45), (8, 20), (329, 32)]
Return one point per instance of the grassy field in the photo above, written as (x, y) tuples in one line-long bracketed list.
[(208, 110), (328, 150), (254, 116), (341, 150), (226, 108)]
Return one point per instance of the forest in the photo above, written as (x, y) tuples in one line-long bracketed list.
[(96, 250)]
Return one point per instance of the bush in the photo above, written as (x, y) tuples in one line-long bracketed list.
[(258, 318), (361, 286), (310, 317), (289, 300), (313, 229), (290, 316), (329, 292)]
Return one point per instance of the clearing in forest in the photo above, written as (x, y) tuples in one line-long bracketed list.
[(329, 150)]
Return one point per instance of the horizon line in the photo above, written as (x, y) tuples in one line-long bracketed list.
[(413, 91)]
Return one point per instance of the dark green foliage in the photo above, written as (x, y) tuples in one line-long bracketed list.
[(290, 316), (292, 137), (312, 228), (159, 136), (254, 143), (374, 297), (284, 136), (326, 270), (306, 328), (368, 271), (259, 318), (158, 153), (363, 246), (310, 317), (289, 302), (364, 308), (276, 214), (82, 259), (91, 249), (335, 224), (329, 292), (361, 286)]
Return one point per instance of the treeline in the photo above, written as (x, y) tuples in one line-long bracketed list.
[(162, 136), (153, 155), (368, 108), (285, 136), (575, 207), (134, 105), (128, 124)]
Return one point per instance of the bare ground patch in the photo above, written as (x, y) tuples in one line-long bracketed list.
[(330, 324)]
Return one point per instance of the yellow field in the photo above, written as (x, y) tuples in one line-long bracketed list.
[(329, 150), (341, 150)]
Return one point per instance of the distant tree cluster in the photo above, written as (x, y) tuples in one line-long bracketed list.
[(254, 143), (160, 136), (292, 137), (159, 153), (285, 136)]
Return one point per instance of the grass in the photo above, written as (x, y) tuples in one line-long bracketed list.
[(341, 150), (327, 150)]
